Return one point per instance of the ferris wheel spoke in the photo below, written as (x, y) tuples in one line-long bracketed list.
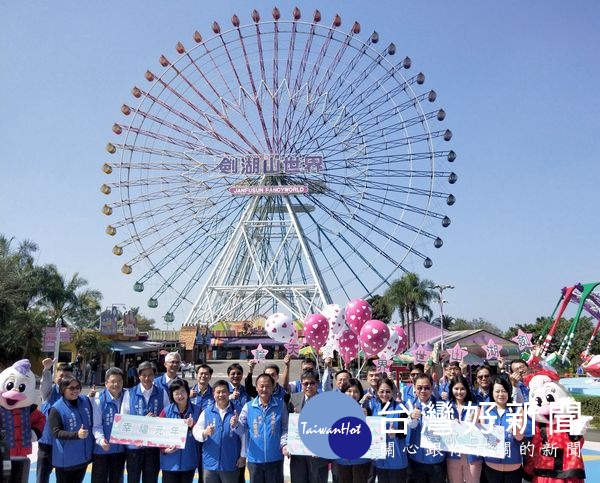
[(341, 259), (208, 129)]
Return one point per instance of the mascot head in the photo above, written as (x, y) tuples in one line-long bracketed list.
[(544, 389), (17, 385)]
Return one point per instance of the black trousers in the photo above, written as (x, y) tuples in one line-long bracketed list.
[(144, 462), (108, 468), (309, 469), (428, 473), (70, 475), (178, 476), (44, 463)]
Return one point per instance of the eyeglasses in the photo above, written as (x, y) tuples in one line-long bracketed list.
[(74, 388), (423, 388), (484, 376), (173, 362), (309, 383), (414, 374)]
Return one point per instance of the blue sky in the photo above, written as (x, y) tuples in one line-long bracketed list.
[(518, 81)]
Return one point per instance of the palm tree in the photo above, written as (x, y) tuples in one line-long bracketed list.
[(68, 300), (20, 323), (411, 297)]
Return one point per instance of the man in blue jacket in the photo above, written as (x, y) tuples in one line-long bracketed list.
[(145, 399), (263, 422), (109, 458), (427, 466)]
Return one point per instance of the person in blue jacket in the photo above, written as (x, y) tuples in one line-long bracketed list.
[(179, 465), (508, 469), (109, 458), (144, 399), (426, 466), (393, 468), (202, 392), (221, 445), (481, 393), (460, 467), (70, 421), (356, 470), (49, 390), (172, 365), (263, 422)]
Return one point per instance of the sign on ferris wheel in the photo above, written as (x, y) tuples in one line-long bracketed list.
[(268, 190)]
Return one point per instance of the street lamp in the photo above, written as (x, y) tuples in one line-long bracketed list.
[(440, 289)]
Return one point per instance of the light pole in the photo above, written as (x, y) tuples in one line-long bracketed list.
[(440, 289)]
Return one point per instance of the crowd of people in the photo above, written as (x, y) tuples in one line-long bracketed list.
[(241, 423)]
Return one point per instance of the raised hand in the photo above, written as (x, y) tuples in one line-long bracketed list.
[(209, 430), (234, 419), (82, 433)]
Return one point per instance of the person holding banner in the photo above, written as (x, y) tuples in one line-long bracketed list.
[(221, 445), (394, 467), (498, 413), (303, 468), (108, 461), (144, 399), (179, 465), (356, 470), (426, 466), (70, 420), (463, 468)]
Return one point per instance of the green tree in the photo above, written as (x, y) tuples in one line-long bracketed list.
[(20, 323), (69, 300), (144, 324), (580, 340), (475, 324), (90, 342), (380, 308), (411, 296)]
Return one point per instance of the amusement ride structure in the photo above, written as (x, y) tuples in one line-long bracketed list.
[(276, 165)]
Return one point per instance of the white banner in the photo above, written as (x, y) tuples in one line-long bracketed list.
[(463, 438), (149, 431), (376, 450)]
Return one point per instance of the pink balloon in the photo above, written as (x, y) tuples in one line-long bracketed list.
[(316, 330), (374, 335), (357, 313), (348, 342), (280, 327)]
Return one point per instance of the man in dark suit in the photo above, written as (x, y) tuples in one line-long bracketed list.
[(307, 469)]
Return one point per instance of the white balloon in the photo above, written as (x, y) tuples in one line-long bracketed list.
[(280, 327)]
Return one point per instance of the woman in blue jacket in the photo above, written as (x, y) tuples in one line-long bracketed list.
[(221, 445), (461, 467), (356, 470), (70, 421), (394, 467), (179, 465), (507, 469)]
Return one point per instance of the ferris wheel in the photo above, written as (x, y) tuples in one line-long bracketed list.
[(276, 165)]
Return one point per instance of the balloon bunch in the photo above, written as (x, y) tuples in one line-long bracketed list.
[(346, 330)]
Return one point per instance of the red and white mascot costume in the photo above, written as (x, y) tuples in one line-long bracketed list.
[(558, 437), (18, 413)]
